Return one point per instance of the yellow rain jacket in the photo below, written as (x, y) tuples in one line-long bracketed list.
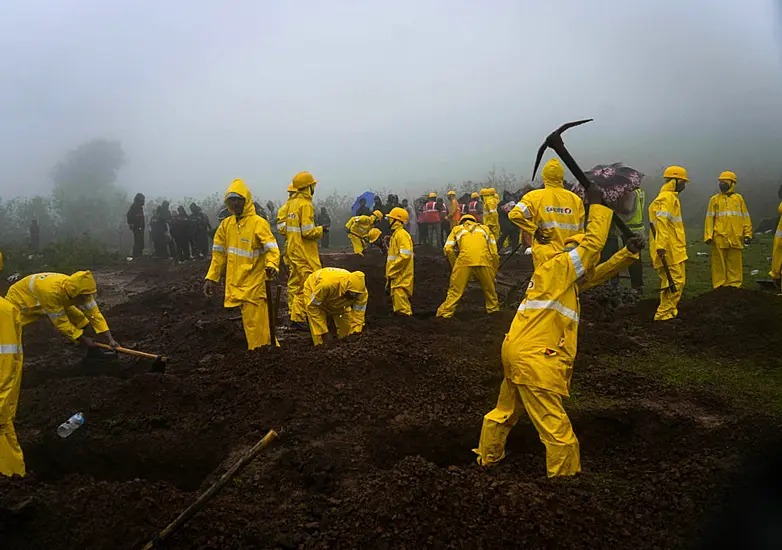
[(776, 254), (491, 217), (325, 295), (68, 301), (11, 457), (727, 220), (282, 218), (360, 225), (554, 209), (476, 244), (665, 214), (540, 348), (300, 229), (243, 249), (399, 267)]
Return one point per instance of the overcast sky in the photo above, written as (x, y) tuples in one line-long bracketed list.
[(370, 94)]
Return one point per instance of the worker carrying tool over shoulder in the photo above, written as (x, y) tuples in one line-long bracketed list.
[(539, 350), (552, 214), (11, 457), (454, 209), (668, 243), (727, 229), (477, 257), (246, 250), (776, 251), (491, 217), (399, 263), (67, 300), (302, 246), (358, 228), (339, 294)]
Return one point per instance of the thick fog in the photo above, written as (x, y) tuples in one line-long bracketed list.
[(365, 94)]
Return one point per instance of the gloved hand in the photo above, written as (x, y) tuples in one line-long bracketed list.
[(325, 228), (747, 240), (636, 243), (388, 287), (541, 236), (707, 241), (271, 272), (209, 287)]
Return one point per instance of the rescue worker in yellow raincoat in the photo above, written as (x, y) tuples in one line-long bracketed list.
[(11, 457), (477, 258), (302, 248), (776, 251), (491, 218), (669, 241), (67, 300), (727, 229), (337, 293), (282, 219), (552, 214), (358, 228), (539, 350), (399, 263), (245, 249), (454, 210)]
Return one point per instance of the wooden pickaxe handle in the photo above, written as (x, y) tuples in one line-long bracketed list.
[(671, 284), (130, 351)]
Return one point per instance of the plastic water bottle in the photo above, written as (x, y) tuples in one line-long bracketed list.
[(67, 428)]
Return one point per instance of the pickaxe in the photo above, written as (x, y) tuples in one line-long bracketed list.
[(671, 284)]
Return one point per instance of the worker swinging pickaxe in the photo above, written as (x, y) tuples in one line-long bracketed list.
[(554, 141)]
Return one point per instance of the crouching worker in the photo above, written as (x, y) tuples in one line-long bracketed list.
[(337, 293), (477, 258), (67, 300), (246, 250), (539, 351), (359, 228), (11, 458)]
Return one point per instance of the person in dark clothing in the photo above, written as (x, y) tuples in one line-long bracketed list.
[(445, 225), (159, 233), (363, 209), (378, 205), (137, 224), (165, 215), (35, 235), (508, 229), (202, 228), (323, 219), (182, 231)]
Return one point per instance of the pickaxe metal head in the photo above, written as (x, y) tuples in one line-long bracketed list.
[(554, 140)]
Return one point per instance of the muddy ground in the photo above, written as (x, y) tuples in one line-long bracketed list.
[(376, 432)]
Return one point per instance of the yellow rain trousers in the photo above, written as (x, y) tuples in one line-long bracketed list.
[(477, 258), (491, 217), (727, 225), (665, 214), (302, 250), (358, 228), (11, 457), (559, 213), (244, 248), (776, 253), (67, 300), (539, 351), (326, 290), (399, 268)]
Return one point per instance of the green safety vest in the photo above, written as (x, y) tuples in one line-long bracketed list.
[(636, 222)]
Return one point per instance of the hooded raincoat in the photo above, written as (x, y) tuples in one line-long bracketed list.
[(325, 290), (665, 216), (559, 213), (399, 268), (539, 350), (11, 457), (301, 248), (477, 257), (491, 218), (727, 225), (67, 300), (243, 248)]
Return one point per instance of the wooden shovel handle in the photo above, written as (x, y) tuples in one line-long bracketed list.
[(131, 352)]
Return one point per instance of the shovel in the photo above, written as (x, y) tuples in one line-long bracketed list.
[(159, 361)]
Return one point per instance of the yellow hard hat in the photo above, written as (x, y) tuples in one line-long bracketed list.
[(492, 190), (468, 217), (432, 195), (374, 234), (485, 191), (378, 214), (399, 214), (675, 172), (728, 176), (451, 193), (302, 180), (291, 188), (474, 195)]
